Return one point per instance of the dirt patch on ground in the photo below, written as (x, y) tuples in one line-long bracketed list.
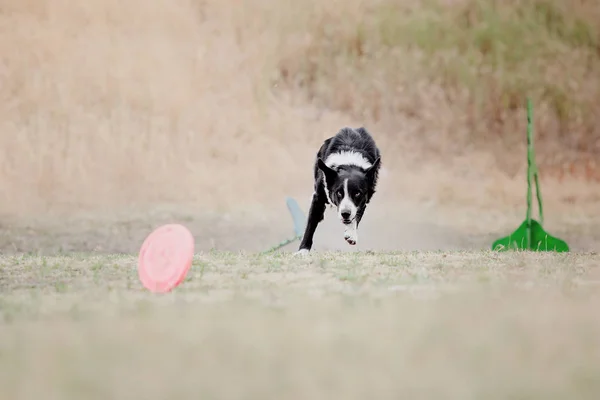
[(387, 226)]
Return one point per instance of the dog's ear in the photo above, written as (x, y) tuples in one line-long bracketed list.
[(373, 167), (330, 174), (371, 173)]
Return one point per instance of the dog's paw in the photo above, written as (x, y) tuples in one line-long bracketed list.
[(351, 237), (302, 253)]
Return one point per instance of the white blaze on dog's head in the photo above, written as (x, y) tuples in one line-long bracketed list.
[(347, 209), (346, 188)]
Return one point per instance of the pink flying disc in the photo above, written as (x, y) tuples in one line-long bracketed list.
[(165, 257)]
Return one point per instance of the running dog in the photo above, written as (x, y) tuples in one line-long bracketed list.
[(345, 173)]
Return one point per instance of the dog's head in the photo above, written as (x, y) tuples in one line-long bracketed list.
[(349, 188)]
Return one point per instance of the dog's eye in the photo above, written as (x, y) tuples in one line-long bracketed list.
[(340, 194), (358, 194)]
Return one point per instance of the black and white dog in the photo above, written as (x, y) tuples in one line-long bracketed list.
[(345, 172)]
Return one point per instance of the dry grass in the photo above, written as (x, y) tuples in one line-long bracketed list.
[(458, 325), (459, 72), (118, 107), (106, 103)]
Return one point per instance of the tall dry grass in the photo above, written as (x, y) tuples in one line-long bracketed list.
[(105, 102), (461, 71)]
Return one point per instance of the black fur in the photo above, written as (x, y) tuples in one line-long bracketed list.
[(361, 181)]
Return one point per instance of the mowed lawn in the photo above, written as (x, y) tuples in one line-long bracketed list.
[(457, 325)]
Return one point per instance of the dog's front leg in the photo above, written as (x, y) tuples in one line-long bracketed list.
[(351, 233), (316, 214), (351, 230)]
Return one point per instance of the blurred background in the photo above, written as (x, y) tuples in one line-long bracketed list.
[(116, 116)]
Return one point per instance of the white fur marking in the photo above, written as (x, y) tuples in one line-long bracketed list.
[(351, 233), (301, 253), (347, 204), (347, 158), (326, 190)]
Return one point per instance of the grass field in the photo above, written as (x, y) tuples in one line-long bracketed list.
[(119, 116), (428, 325)]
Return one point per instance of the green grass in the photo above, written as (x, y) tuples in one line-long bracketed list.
[(456, 325)]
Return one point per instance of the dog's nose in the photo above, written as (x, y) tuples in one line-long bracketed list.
[(346, 215)]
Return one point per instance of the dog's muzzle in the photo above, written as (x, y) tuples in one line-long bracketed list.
[(346, 217)]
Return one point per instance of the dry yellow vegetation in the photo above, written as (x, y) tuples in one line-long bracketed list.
[(118, 107), (109, 102)]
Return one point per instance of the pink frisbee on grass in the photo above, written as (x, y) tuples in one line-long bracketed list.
[(165, 257)]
